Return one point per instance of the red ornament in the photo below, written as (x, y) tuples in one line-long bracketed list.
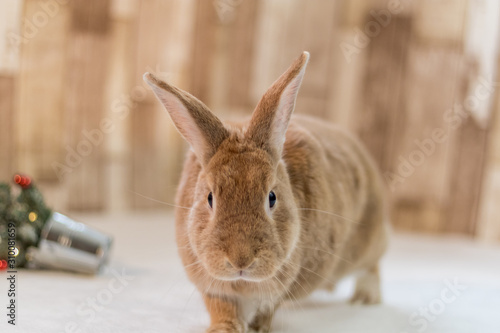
[(23, 181), (3, 264)]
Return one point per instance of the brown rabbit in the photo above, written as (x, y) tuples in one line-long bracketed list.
[(278, 206)]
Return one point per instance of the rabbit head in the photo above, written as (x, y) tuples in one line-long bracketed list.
[(243, 223)]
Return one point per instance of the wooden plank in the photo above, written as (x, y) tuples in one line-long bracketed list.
[(466, 176), (436, 80), (40, 124), (346, 86), (236, 47), (88, 59), (145, 166), (7, 134), (318, 16), (157, 148), (203, 50), (270, 44), (147, 177), (285, 29), (487, 226), (148, 180), (482, 38), (359, 23), (118, 105), (175, 65), (10, 30), (381, 113), (346, 74), (440, 21), (355, 12), (384, 93), (91, 16), (404, 105)]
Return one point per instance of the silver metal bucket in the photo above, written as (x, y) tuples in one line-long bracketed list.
[(69, 245)]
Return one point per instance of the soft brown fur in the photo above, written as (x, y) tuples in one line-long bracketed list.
[(329, 219)]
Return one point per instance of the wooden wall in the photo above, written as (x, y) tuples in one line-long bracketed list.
[(9, 72), (404, 75)]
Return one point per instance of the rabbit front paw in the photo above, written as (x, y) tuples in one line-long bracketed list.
[(259, 330), (232, 326), (261, 323), (367, 288)]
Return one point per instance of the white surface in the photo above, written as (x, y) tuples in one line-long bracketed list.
[(158, 297)]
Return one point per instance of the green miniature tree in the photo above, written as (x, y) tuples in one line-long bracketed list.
[(27, 213)]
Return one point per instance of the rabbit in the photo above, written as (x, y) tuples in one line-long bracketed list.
[(273, 208)]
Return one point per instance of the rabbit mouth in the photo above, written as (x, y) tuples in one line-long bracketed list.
[(253, 273), (261, 269), (242, 276)]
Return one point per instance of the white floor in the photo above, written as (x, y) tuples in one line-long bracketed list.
[(153, 295)]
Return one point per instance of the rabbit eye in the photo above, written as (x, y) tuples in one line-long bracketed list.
[(210, 199), (272, 199)]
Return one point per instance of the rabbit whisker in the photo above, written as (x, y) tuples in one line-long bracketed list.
[(158, 201), (327, 252), (330, 213), (181, 318), (311, 271), (288, 293), (194, 263)]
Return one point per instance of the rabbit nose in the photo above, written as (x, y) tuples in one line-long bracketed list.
[(240, 263)]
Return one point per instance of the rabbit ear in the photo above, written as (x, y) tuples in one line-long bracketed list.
[(271, 116), (196, 123)]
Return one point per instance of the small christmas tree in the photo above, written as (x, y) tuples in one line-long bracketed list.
[(27, 213)]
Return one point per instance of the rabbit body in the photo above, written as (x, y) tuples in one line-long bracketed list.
[(271, 209)]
